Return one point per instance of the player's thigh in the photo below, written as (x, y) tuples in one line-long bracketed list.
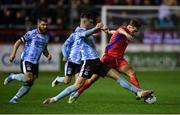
[(28, 76), (109, 61), (67, 79), (127, 69), (114, 74), (93, 78), (76, 75), (79, 82), (27, 69)]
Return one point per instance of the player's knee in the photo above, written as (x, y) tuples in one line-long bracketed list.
[(67, 80), (28, 76)]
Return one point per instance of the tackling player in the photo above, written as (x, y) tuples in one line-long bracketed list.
[(36, 42), (93, 65)]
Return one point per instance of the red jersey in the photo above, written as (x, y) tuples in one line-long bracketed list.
[(117, 44)]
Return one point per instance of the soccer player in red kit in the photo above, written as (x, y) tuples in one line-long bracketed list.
[(114, 52), (114, 55)]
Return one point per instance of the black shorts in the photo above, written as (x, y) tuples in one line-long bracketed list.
[(95, 66), (71, 68), (29, 67)]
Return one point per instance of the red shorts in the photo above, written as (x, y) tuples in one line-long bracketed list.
[(116, 63)]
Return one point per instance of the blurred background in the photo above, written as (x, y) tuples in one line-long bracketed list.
[(157, 45)]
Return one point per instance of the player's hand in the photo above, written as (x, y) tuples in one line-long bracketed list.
[(49, 57), (99, 25), (11, 58), (64, 59), (105, 29)]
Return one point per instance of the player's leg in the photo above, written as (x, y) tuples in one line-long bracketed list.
[(84, 74), (128, 70), (78, 83), (127, 85), (59, 80), (73, 97), (88, 83), (30, 72), (12, 76), (106, 60), (69, 69)]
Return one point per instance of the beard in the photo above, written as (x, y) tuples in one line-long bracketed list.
[(44, 31)]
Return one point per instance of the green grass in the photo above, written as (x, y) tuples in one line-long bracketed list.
[(104, 97)]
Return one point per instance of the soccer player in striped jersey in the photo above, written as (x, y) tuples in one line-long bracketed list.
[(36, 42), (114, 55), (93, 65)]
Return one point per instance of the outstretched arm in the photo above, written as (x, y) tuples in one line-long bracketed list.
[(108, 31), (92, 31), (15, 48), (120, 30)]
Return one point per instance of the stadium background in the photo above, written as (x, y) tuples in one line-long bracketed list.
[(155, 54)]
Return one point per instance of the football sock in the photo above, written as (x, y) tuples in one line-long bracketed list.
[(19, 77), (85, 86), (76, 94), (22, 91), (134, 81), (124, 83), (60, 79), (65, 92)]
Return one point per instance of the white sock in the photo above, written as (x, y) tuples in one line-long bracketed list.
[(19, 77), (60, 79)]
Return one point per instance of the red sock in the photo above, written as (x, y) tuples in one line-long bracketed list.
[(85, 86), (134, 81)]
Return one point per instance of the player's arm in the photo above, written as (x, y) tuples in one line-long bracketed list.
[(15, 48), (108, 31), (92, 31), (47, 54), (66, 47), (122, 31)]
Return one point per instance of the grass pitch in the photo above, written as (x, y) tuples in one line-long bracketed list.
[(104, 97)]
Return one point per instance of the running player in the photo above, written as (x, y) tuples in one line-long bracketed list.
[(36, 42), (93, 65), (114, 55), (71, 54)]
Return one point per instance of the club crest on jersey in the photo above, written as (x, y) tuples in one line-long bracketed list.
[(28, 68)]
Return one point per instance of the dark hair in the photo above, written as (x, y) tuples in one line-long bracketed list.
[(135, 22), (42, 19), (86, 15)]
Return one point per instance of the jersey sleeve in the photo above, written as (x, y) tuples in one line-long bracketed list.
[(87, 33), (25, 37), (67, 46)]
